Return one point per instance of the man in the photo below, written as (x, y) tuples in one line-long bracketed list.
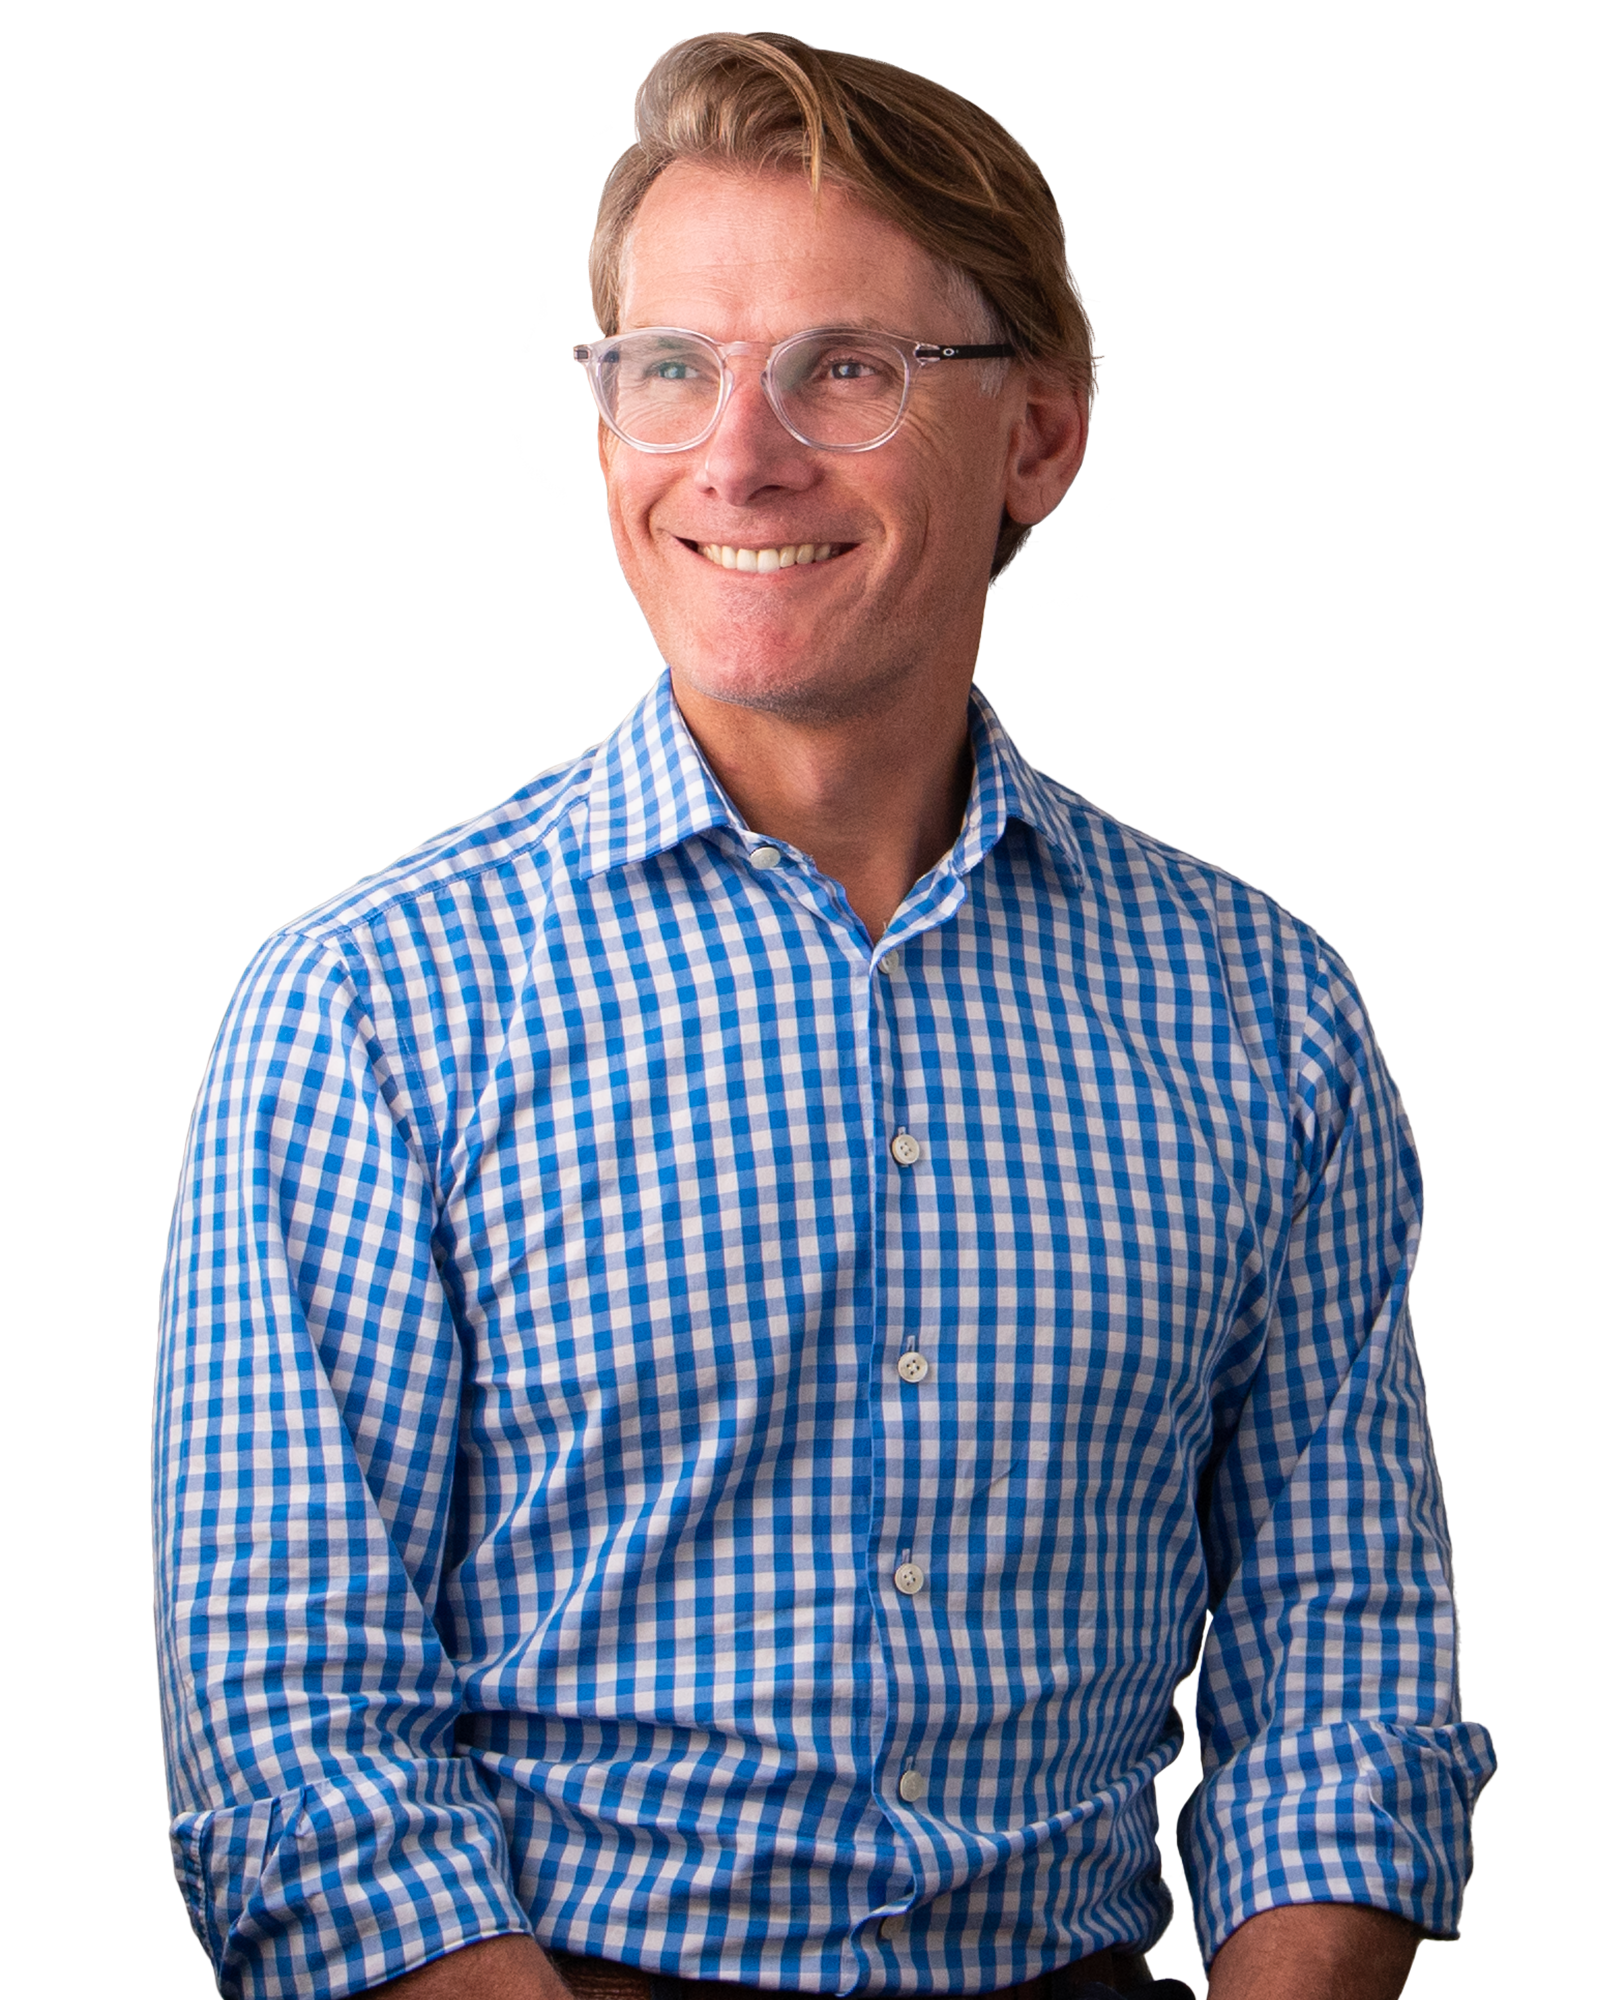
[(730, 1319)]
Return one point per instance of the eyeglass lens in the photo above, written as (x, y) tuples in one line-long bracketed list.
[(836, 389)]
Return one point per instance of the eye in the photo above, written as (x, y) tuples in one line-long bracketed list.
[(671, 371), (850, 367)]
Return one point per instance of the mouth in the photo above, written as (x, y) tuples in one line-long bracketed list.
[(763, 562)]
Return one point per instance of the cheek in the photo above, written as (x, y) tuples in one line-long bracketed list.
[(634, 484), (950, 478)]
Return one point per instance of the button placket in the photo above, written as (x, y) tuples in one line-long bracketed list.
[(906, 1149)]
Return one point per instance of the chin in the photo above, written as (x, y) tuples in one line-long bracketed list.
[(781, 687), (802, 689)]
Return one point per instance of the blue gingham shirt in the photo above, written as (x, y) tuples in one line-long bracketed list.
[(604, 1281)]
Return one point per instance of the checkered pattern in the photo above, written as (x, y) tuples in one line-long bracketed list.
[(533, 1464)]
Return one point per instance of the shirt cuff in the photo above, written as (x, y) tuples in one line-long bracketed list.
[(335, 1888), (1362, 1812)]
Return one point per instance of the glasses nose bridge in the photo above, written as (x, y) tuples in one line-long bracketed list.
[(749, 351), (740, 350)]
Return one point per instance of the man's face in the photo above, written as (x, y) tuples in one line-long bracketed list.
[(913, 523)]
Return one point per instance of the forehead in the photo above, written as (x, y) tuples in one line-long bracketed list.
[(749, 256)]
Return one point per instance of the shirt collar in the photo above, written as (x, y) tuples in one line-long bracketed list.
[(1006, 787), (651, 788)]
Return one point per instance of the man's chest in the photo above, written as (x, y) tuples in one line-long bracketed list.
[(1018, 1178)]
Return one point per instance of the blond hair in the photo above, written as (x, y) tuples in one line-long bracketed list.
[(925, 159)]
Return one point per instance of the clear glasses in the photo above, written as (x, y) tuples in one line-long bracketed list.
[(662, 388)]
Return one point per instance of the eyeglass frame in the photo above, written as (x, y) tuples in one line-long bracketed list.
[(922, 352)]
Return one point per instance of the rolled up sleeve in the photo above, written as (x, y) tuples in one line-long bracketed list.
[(1337, 1767), (325, 1835)]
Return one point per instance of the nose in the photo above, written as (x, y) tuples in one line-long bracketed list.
[(750, 453)]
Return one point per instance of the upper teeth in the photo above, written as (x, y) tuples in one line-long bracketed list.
[(764, 560)]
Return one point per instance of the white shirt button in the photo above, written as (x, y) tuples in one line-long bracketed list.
[(891, 1927), (890, 962), (912, 1786), (905, 1149), (765, 857), (912, 1367), (908, 1579)]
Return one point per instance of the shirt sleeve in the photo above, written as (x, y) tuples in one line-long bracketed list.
[(1336, 1766), (326, 1837)]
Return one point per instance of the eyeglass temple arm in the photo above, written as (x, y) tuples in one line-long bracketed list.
[(925, 351)]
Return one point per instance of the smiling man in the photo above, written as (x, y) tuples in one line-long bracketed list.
[(811, 565), (730, 1320)]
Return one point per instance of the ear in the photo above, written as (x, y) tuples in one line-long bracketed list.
[(1047, 445)]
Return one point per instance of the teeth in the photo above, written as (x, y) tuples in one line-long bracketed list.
[(762, 562)]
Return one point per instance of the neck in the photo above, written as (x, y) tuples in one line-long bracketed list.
[(874, 798)]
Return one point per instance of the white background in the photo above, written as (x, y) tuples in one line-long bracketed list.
[(161, 541)]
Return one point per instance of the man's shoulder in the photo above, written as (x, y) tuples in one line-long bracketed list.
[(1121, 857), (510, 840), (1148, 880), (1185, 941)]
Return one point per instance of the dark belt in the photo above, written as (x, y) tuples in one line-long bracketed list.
[(1116, 1972)]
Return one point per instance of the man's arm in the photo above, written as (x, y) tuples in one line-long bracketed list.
[(326, 1834), (1314, 1951), (1338, 1770)]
